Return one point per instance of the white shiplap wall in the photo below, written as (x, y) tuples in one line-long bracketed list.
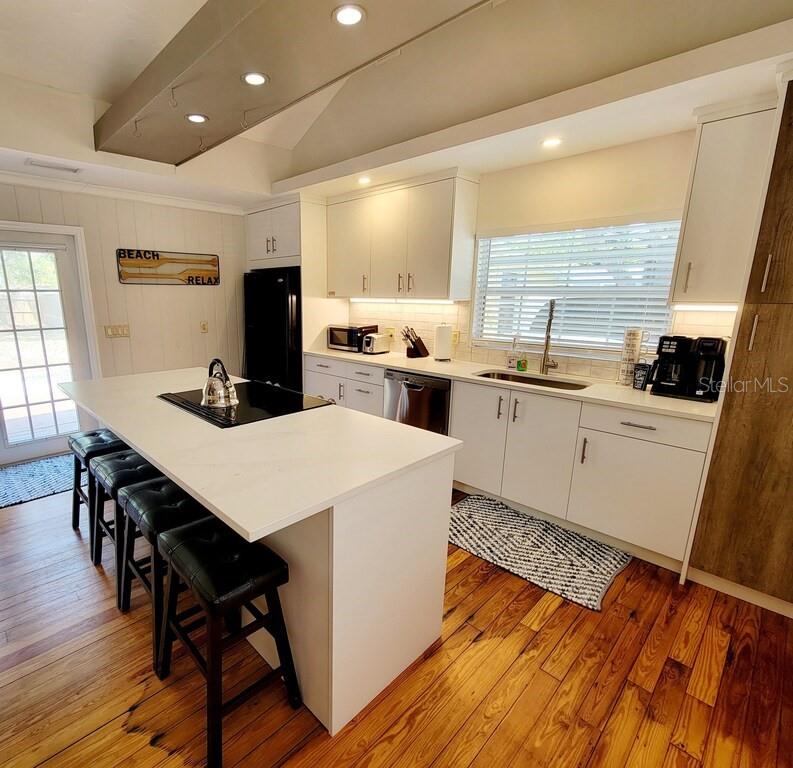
[(164, 321)]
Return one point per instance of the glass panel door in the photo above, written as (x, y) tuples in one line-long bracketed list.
[(38, 348)]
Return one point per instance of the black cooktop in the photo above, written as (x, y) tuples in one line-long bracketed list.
[(258, 401)]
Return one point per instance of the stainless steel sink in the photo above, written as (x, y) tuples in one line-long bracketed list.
[(527, 378)]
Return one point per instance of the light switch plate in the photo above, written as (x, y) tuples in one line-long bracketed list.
[(389, 332), (204, 325), (117, 331)]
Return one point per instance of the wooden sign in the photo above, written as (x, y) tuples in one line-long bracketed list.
[(139, 267)]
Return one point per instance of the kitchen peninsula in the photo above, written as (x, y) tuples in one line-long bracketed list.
[(357, 505)]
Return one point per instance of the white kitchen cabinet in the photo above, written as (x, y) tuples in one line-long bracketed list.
[(273, 235), (538, 460), (413, 242), (479, 419), (349, 248), (389, 212), (635, 490), (363, 397), (323, 385), (724, 197)]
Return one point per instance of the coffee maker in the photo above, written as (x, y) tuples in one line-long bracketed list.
[(688, 368)]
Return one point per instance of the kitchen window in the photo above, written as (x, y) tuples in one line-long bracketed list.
[(604, 280)]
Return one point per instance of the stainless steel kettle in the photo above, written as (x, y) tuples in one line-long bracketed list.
[(219, 392)]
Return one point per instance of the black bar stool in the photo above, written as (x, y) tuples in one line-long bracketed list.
[(150, 508), (225, 574), (111, 473), (86, 446)]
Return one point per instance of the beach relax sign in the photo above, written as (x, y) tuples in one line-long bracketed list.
[(140, 267)]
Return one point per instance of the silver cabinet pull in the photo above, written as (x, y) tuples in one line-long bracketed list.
[(399, 283), (362, 373), (754, 331), (363, 283), (410, 281), (515, 410), (364, 391), (268, 245), (500, 403), (765, 274), (341, 391), (274, 246), (322, 365), (688, 277), (638, 426), (583, 449)]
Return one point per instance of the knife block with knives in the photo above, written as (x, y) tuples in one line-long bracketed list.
[(415, 346)]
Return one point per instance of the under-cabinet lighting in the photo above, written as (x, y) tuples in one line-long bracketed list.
[(364, 300), (550, 143), (705, 307), (364, 180), (52, 166)]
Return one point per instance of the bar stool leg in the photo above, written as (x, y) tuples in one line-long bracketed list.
[(282, 646), (118, 549), (166, 634), (99, 511), (91, 510), (214, 691), (157, 599), (125, 590), (78, 467)]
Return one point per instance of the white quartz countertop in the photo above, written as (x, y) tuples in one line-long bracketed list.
[(264, 476), (600, 392)]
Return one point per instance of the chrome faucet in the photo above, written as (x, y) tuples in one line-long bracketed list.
[(547, 363)]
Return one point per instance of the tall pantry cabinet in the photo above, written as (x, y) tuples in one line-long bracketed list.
[(745, 528)]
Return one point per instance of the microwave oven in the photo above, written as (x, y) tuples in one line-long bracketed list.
[(348, 337)]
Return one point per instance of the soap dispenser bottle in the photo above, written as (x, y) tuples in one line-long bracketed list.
[(512, 355), (523, 362)]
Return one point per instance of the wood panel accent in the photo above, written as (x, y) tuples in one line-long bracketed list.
[(745, 529), (77, 688), (775, 238)]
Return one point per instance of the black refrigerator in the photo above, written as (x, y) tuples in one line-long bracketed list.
[(273, 333)]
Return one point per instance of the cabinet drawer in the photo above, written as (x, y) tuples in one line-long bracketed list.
[(325, 365), (363, 397), (371, 374), (653, 427)]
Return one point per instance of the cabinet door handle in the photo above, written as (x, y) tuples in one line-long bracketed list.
[(399, 283), (362, 373), (638, 426), (364, 391), (322, 365), (752, 334), (515, 410), (274, 246), (268, 245), (688, 277), (500, 403), (583, 449), (765, 274), (363, 283), (341, 391), (410, 280)]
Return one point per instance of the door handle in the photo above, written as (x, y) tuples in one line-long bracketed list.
[(515, 410), (583, 449), (752, 334), (410, 280), (688, 277), (274, 246), (322, 365), (399, 283), (364, 391), (363, 283), (638, 426), (341, 391), (500, 403), (268, 245), (362, 373), (766, 273)]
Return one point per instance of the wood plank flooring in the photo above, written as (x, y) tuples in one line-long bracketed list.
[(664, 676)]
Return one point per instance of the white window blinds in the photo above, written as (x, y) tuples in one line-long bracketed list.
[(604, 280)]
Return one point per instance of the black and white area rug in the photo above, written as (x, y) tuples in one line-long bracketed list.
[(564, 562), (35, 479)]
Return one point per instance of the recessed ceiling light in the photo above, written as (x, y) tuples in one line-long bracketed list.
[(364, 180), (349, 15), (254, 78), (552, 142), (196, 117)]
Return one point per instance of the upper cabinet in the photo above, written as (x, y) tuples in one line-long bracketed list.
[(724, 199), (273, 235), (771, 278), (412, 242)]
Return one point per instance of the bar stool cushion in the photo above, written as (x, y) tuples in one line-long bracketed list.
[(95, 442), (223, 570), (158, 505), (116, 470)]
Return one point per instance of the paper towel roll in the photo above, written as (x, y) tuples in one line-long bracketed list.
[(443, 342)]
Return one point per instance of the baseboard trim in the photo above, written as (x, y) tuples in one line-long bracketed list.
[(770, 603)]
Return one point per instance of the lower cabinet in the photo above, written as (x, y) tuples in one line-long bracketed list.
[(342, 391), (323, 385), (638, 491)]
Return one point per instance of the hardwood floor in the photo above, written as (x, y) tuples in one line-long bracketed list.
[(664, 676)]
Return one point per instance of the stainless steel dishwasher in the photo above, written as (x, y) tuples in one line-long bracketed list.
[(421, 401)]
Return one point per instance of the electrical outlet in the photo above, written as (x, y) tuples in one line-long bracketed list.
[(455, 337), (389, 332), (117, 331), (204, 325)]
